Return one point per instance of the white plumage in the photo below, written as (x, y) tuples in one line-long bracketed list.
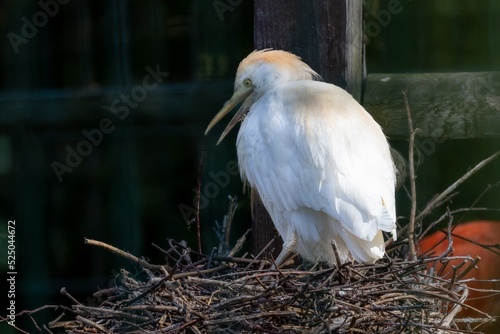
[(320, 163)]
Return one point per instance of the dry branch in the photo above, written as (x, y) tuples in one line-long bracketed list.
[(439, 199), (124, 254), (413, 188)]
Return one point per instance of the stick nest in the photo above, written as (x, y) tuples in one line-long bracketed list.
[(196, 293)]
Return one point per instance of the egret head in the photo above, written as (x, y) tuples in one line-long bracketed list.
[(260, 72)]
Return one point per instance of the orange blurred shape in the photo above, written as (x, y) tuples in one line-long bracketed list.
[(467, 239)]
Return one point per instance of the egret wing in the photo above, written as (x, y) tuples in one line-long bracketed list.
[(310, 144)]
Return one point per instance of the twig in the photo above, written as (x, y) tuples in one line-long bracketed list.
[(70, 297), (153, 288), (124, 254), (239, 244), (439, 199), (440, 219), (472, 265), (242, 260), (338, 263), (249, 317), (199, 272), (451, 188), (47, 329), (108, 312), (2, 319), (456, 308), (233, 205), (257, 257), (92, 324), (488, 188), (198, 196), (494, 248), (411, 225)]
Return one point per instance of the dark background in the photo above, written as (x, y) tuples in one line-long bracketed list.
[(127, 190)]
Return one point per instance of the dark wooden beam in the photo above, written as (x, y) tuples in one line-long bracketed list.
[(328, 36), (443, 105), (166, 103)]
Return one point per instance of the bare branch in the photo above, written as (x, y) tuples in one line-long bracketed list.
[(439, 198), (124, 254), (411, 224)]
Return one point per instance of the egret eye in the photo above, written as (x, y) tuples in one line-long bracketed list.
[(247, 82)]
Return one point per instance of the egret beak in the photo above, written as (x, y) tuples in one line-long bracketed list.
[(239, 96)]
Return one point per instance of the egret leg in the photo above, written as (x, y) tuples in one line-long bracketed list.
[(288, 248)]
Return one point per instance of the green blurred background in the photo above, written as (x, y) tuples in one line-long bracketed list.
[(127, 190)]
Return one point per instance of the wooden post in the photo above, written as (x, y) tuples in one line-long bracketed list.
[(328, 36)]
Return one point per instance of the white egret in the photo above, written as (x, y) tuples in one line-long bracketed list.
[(318, 160)]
